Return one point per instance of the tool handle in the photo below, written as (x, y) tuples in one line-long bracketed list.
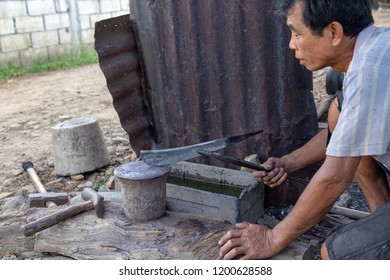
[(29, 168), (55, 218)]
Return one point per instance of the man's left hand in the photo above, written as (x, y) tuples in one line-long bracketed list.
[(247, 241)]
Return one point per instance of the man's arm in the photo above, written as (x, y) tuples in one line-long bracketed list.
[(327, 185), (312, 152), (251, 241)]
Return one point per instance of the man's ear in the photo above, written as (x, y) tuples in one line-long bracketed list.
[(336, 32)]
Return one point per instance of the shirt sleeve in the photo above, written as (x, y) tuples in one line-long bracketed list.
[(363, 127)]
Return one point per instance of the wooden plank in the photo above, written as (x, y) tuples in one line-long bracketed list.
[(174, 236)]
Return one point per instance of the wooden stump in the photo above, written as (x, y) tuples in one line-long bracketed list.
[(174, 236)]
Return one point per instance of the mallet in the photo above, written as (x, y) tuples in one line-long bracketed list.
[(92, 200)]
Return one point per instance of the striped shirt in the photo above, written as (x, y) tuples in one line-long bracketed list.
[(363, 128)]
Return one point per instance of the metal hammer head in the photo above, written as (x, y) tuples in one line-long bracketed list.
[(96, 198), (40, 199)]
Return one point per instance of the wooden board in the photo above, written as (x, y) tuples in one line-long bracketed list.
[(174, 236)]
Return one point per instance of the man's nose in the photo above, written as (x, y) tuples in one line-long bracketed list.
[(293, 44)]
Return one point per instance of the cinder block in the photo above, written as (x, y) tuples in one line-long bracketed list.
[(31, 55), (56, 51), (40, 7), (44, 39), (9, 9), (9, 57), (85, 22), (6, 26), (56, 21), (99, 17), (65, 36), (120, 13), (88, 7), (125, 5), (15, 42), (234, 195), (107, 6), (61, 6), (29, 24), (87, 36)]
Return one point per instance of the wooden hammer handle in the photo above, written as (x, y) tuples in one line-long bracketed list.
[(29, 168), (55, 218)]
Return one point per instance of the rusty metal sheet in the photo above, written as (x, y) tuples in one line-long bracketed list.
[(210, 69), (119, 61), (216, 68)]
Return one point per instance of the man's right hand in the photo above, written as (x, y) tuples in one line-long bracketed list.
[(277, 174)]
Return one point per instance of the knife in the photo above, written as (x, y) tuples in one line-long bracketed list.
[(169, 156), (247, 164)]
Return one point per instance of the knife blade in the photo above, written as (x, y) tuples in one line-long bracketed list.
[(173, 155)]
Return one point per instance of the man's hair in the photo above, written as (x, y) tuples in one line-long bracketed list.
[(353, 15)]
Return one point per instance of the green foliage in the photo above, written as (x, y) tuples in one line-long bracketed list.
[(81, 57)]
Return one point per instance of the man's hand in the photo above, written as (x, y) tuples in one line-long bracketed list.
[(246, 242), (277, 174)]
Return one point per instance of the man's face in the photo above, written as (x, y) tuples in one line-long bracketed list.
[(312, 50)]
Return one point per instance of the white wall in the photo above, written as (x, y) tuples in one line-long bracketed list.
[(35, 29)]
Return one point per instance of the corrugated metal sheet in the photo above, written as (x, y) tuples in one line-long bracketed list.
[(212, 68), (119, 60)]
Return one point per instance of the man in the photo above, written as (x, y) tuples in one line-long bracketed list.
[(339, 34)]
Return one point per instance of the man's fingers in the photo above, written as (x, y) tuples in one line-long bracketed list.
[(235, 252), (229, 235)]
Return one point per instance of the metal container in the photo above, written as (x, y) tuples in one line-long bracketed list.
[(144, 190)]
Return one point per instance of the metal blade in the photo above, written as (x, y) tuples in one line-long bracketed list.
[(173, 155)]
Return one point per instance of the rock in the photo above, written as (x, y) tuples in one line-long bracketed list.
[(8, 182), (88, 184), (77, 177), (17, 172), (344, 200), (253, 159)]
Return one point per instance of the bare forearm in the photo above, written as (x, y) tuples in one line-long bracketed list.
[(312, 152), (319, 196)]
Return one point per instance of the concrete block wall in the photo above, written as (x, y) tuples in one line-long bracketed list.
[(44, 29)]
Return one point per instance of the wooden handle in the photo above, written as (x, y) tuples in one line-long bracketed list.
[(55, 218)]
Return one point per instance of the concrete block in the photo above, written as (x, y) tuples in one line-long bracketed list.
[(87, 36), (9, 9), (6, 26), (56, 21), (15, 42), (217, 192), (99, 17), (61, 6), (29, 24), (65, 36), (85, 22), (40, 7), (107, 6), (120, 13), (9, 57), (125, 5), (56, 51), (31, 55), (88, 7), (44, 39)]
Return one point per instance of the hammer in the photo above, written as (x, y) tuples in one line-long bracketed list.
[(42, 198), (92, 200)]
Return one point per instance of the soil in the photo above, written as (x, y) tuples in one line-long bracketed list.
[(30, 106)]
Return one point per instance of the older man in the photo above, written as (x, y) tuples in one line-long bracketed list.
[(339, 34)]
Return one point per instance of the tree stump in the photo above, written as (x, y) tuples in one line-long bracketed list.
[(85, 236)]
